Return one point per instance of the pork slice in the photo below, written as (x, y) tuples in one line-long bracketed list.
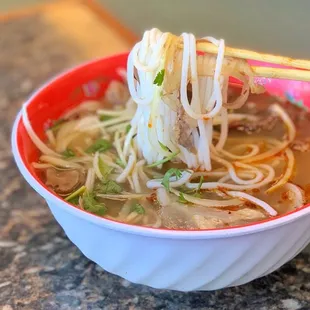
[(264, 123), (204, 222), (183, 129)]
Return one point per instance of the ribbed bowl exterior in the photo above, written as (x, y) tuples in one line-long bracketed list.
[(186, 265)]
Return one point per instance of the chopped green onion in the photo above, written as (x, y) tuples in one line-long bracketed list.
[(159, 79), (103, 118), (90, 204), (168, 158), (138, 208), (109, 187), (101, 145), (128, 127), (76, 194), (200, 183), (68, 153), (164, 147), (182, 199), (120, 163), (171, 172)]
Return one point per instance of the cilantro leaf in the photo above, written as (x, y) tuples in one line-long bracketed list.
[(101, 145), (103, 117), (137, 208), (171, 172), (159, 79), (104, 168), (91, 205), (109, 187), (182, 198), (68, 153), (128, 127), (120, 163), (164, 147)]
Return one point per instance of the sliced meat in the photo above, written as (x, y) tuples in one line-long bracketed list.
[(248, 214), (204, 222), (249, 126), (63, 182), (183, 129)]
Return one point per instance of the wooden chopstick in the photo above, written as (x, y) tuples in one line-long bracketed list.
[(268, 72), (280, 73), (208, 47)]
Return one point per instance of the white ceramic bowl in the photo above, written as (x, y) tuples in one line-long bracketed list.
[(165, 259)]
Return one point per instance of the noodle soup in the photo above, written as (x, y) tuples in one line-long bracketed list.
[(174, 147)]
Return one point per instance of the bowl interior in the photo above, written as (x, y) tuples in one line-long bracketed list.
[(86, 82)]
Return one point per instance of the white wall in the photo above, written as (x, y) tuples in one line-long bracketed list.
[(278, 26)]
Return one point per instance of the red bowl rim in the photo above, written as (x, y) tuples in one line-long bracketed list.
[(52, 199)]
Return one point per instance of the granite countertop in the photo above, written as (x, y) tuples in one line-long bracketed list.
[(39, 267)]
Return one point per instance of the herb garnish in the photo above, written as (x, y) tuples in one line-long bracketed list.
[(164, 147), (200, 183), (182, 198), (171, 172), (103, 117), (164, 160), (104, 169), (109, 187), (137, 208), (159, 79), (56, 125), (68, 153), (90, 204), (128, 127), (101, 145), (74, 197), (120, 163)]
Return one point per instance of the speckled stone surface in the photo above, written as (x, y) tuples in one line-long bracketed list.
[(39, 267)]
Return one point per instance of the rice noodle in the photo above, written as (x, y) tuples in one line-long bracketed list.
[(58, 162), (35, 139), (130, 165), (288, 172), (217, 185), (90, 180), (256, 201)]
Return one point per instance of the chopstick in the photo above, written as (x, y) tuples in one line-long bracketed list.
[(280, 73), (208, 47), (268, 72)]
